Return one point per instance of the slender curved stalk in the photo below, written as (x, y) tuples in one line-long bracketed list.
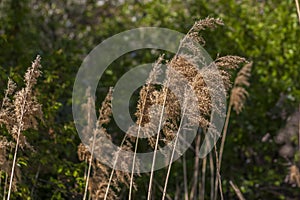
[(193, 193), (202, 192), (89, 169), (113, 169), (186, 195), (222, 146), (157, 139), (14, 163), (211, 166), (218, 176), (237, 191), (136, 146), (224, 135), (173, 152)]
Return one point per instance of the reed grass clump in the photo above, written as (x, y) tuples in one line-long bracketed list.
[(161, 110)]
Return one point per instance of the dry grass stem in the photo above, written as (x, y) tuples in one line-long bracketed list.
[(237, 191), (298, 10)]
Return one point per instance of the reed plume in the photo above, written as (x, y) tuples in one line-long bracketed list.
[(22, 112)]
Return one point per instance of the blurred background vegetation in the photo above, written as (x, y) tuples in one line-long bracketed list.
[(64, 32)]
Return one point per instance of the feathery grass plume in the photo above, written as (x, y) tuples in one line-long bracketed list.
[(239, 93), (227, 63), (7, 107), (207, 23), (147, 94), (98, 173), (21, 113)]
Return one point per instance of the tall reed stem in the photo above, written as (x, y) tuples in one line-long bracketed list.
[(222, 146), (136, 144), (173, 151), (157, 139)]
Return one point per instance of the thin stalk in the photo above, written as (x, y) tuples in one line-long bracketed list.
[(113, 169), (237, 191), (211, 166), (218, 175), (222, 145), (173, 152), (224, 135), (186, 195), (202, 192), (156, 142), (196, 168), (5, 185), (161, 189), (298, 10), (90, 165), (136, 145)]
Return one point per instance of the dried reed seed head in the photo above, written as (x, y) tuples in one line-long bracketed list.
[(194, 36), (199, 87), (106, 109), (4, 146), (201, 25), (243, 75), (23, 112), (82, 152), (7, 115), (33, 73), (156, 70), (146, 95), (239, 94), (225, 65), (11, 87), (208, 22), (184, 67), (146, 100), (238, 98), (229, 62), (97, 187)]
